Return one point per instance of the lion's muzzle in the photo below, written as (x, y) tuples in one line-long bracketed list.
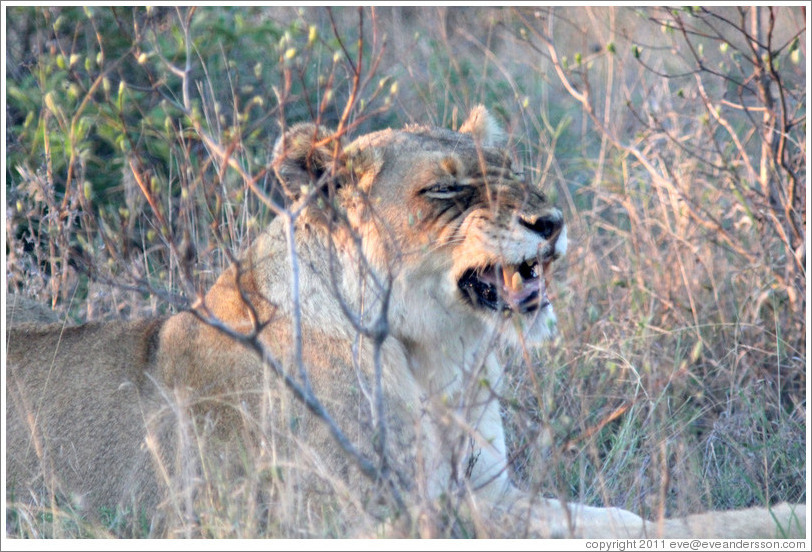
[(517, 288)]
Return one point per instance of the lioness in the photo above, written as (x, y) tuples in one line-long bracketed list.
[(346, 365)]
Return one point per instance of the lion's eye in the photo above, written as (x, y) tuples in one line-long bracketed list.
[(443, 191)]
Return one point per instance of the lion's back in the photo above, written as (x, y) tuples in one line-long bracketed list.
[(73, 393), (21, 309)]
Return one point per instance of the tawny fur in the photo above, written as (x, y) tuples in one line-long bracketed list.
[(138, 414)]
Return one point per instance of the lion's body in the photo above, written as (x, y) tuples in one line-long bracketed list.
[(392, 302), (77, 400)]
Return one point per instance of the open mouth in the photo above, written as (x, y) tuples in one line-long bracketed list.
[(511, 288)]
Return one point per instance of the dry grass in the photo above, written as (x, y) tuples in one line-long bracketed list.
[(678, 383)]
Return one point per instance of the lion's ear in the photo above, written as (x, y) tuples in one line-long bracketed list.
[(305, 156), (483, 127)]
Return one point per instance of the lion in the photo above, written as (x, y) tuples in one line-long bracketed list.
[(345, 367), (21, 309)]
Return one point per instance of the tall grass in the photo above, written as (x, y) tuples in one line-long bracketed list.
[(138, 149)]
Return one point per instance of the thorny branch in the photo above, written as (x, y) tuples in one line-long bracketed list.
[(301, 389), (782, 203)]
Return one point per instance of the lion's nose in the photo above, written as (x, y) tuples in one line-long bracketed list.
[(545, 226)]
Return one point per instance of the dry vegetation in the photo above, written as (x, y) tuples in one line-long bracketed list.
[(138, 144)]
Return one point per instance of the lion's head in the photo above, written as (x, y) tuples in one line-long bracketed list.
[(443, 214)]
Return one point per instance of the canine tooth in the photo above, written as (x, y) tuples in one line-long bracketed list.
[(516, 281), (508, 275)]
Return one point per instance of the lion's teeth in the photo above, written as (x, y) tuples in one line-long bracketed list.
[(509, 277), (516, 281)]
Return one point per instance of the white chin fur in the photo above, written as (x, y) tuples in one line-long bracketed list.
[(529, 331)]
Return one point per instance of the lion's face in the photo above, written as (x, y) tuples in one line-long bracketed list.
[(448, 217)]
